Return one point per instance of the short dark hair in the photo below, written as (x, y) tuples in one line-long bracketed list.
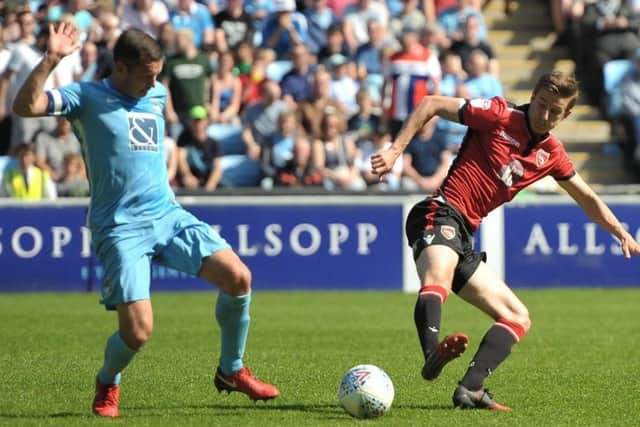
[(136, 47), (562, 84)]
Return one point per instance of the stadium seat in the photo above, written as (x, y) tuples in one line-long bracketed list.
[(228, 136), (277, 69), (614, 72), (5, 162), (240, 171)]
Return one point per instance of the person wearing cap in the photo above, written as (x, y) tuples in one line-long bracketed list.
[(285, 29), (199, 156)]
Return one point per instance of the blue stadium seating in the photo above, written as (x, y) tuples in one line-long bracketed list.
[(240, 171), (228, 136)]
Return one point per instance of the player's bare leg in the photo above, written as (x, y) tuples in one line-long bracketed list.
[(436, 265), (225, 269), (135, 321), (490, 294)]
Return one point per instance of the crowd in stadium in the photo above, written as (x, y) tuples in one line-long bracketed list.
[(286, 93)]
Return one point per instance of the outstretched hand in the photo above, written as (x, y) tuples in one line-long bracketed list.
[(382, 162), (63, 40), (629, 246)]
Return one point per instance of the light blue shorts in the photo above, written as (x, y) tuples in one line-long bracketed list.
[(178, 240)]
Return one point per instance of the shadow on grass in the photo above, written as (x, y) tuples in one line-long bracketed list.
[(331, 410)]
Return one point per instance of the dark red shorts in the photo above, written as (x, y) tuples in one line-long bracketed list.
[(435, 222)]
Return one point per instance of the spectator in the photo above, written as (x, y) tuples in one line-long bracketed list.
[(381, 138), (426, 161), (145, 15), (283, 160), (227, 92), (452, 20), (319, 19), (285, 29), (73, 182), (244, 52), (368, 55), (167, 39), (187, 76), (81, 16), (260, 120), (233, 26), (612, 33), (200, 157), (363, 124), (88, 63), (339, 6), (356, 18), (335, 44), (24, 58), (252, 83), (196, 17), (410, 16), (470, 41), (110, 25), (412, 73), (25, 180), (296, 84), (453, 75), (5, 122), (52, 146), (311, 111), (434, 38), (629, 91), (334, 156), (481, 83), (343, 87)]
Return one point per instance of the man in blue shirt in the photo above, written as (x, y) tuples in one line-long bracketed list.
[(133, 216)]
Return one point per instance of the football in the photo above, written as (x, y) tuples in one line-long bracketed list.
[(366, 391)]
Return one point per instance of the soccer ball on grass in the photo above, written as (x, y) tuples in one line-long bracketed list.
[(366, 391)]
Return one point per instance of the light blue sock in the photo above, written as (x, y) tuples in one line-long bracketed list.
[(232, 314), (117, 356)]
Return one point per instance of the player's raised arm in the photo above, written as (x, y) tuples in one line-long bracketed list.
[(600, 213), (31, 101), (446, 107)]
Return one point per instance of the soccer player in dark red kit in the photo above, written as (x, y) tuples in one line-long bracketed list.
[(506, 148)]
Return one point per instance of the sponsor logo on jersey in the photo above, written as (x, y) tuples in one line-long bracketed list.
[(542, 157), (448, 232), (143, 132), (507, 172)]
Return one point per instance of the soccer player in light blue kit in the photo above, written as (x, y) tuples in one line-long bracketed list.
[(133, 216)]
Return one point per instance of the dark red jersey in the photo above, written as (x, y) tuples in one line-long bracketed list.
[(499, 157)]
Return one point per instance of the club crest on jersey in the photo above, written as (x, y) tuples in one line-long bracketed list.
[(448, 232), (542, 157), (143, 132)]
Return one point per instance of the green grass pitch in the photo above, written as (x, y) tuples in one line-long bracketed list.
[(579, 365)]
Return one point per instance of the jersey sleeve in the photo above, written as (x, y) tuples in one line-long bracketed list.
[(484, 114), (65, 101), (563, 168)]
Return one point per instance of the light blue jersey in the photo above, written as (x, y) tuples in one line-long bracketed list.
[(123, 145)]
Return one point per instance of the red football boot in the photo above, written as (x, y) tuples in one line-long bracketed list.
[(243, 381), (451, 347), (106, 400)]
